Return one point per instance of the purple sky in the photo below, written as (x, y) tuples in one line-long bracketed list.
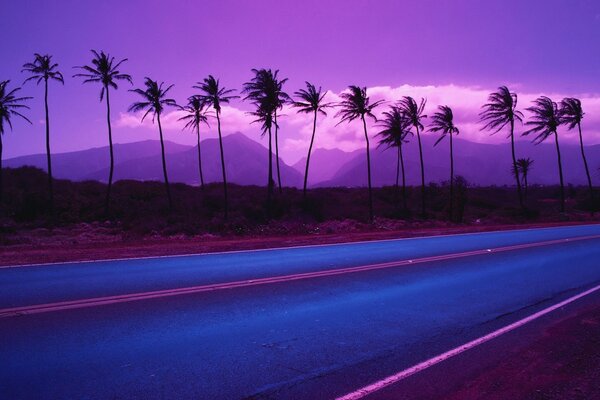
[(453, 52)]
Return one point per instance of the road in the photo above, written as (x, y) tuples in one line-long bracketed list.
[(309, 322)]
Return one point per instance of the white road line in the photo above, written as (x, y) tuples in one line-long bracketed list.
[(290, 247), (390, 380), (124, 298)]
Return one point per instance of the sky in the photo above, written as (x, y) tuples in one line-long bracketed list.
[(451, 52)]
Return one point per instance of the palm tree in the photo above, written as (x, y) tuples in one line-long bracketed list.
[(501, 110), (544, 122), (396, 127), (281, 98), (10, 106), (196, 115), (43, 69), (443, 121), (356, 104), (571, 113), (215, 96), (105, 71), (414, 112), (154, 102), (524, 165), (310, 101), (263, 91)]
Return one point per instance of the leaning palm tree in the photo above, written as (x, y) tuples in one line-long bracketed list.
[(42, 69), (524, 166), (281, 99), (356, 104), (196, 114), (443, 121), (215, 95), (105, 70), (544, 122), (263, 91), (154, 102), (310, 100), (571, 113), (396, 127), (414, 112), (501, 110), (10, 106)]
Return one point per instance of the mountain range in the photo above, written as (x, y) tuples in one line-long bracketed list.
[(246, 163)]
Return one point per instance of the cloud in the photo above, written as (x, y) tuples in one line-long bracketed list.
[(296, 129)]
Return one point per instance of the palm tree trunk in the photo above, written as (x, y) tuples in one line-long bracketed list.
[(1, 187), (270, 177), (422, 173), (223, 164), (526, 183), (587, 170), (50, 189), (514, 158), (312, 140), (368, 170), (560, 174), (277, 153), (164, 162), (112, 159), (199, 157), (403, 177), (398, 169), (451, 177)]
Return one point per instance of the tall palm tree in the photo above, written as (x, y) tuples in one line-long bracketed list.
[(571, 113), (196, 115), (414, 112), (443, 121), (310, 100), (501, 110), (356, 104), (215, 95), (10, 105), (105, 70), (544, 122), (281, 99), (154, 102), (263, 91), (396, 127), (524, 166), (42, 69)]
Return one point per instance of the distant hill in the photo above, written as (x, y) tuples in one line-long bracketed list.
[(246, 162), (481, 164), (324, 163)]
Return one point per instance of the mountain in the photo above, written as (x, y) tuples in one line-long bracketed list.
[(245, 162), (480, 164), (324, 163), (79, 165)]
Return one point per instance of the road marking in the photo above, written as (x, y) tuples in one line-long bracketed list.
[(390, 380), (123, 298), (293, 247)]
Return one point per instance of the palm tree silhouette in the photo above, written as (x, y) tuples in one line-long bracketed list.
[(105, 71), (443, 121), (263, 91), (544, 122), (501, 110), (414, 112), (215, 95), (396, 127), (524, 165), (571, 113), (281, 98), (43, 69), (10, 106), (356, 104), (310, 101), (154, 102), (196, 115)]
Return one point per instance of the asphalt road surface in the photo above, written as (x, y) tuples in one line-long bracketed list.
[(314, 322)]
